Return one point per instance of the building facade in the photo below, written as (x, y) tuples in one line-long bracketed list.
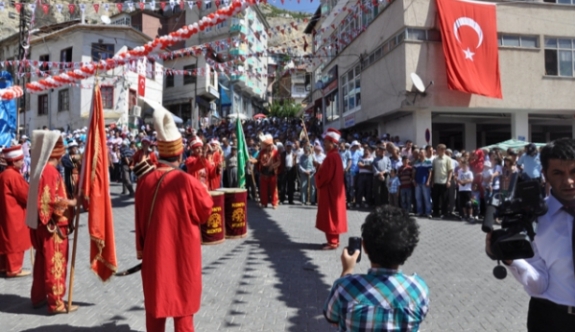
[(364, 81), (56, 49)]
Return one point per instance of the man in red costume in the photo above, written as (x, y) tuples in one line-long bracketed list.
[(14, 235), (144, 153), (46, 216), (170, 206), (218, 162), (331, 209), (198, 165), (268, 163)]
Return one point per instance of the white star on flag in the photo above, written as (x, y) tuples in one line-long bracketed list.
[(468, 54)]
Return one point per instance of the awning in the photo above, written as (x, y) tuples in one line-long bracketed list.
[(158, 106)]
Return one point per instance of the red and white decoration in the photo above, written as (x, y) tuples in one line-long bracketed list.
[(12, 92), (157, 44)]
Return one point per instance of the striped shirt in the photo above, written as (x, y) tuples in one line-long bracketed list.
[(381, 300)]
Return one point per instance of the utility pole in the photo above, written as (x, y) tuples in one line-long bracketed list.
[(20, 78)]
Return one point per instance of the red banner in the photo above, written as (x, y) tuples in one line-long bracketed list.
[(95, 189), (469, 34)]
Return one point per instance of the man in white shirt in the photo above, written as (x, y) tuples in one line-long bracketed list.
[(549, 276)]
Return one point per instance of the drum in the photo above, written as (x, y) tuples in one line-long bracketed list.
[(213, 231), (236, 211)]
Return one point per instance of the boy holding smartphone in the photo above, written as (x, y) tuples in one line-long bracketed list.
[(374, 301)]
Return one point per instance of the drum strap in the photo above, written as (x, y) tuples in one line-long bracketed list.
[(154, 199)]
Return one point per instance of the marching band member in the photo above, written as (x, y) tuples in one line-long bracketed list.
[(198, 164), (268, 163)]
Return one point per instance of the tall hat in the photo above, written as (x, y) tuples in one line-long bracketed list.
[(196, 142), (59, 149), (47, 144), (144, 167), (169, 137), (267, 139), (332, 135), (13, 153)]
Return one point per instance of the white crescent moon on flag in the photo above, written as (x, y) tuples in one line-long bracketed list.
[(466, 21)]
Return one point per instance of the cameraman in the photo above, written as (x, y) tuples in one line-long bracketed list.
[(384, 299), (549, 277)]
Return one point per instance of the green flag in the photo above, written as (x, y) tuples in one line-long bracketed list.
[(243, 155)]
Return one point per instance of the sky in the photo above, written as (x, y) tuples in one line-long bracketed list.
[(304, 5)]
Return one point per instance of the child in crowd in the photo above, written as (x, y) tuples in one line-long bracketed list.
[(393, 188), (464, 179)]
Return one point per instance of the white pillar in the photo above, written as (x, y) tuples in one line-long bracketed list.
[(470, 132), (520, 125), (421, 120)]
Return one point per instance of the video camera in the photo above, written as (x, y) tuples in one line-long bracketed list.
[(518, 211)]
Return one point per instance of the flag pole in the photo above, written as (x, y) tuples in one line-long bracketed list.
[(312, 158), (79, 202)]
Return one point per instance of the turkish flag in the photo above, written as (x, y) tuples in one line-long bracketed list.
[(141, 85), (469, 34), (95, 189)]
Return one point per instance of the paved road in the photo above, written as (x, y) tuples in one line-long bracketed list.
[(277, 280)]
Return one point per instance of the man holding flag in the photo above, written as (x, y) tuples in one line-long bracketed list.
[(243, 154), (46, 216)]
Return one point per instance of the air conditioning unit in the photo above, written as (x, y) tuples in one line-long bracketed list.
[(136, 111)]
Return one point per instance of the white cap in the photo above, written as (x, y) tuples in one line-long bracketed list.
[(72, 144), (355, 143)]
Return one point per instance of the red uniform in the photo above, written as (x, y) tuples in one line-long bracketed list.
[(331, 209), (51, 249), (14, 235), (269, 176), (215, 182), (139, 156), (202, 169), (170, 245)]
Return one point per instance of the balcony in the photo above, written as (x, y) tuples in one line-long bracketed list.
[(238, 25), (241, 49)]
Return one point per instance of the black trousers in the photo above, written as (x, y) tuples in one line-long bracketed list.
[(380, 193), (287, 184), (126, 180), (544, 316), (440, 198)]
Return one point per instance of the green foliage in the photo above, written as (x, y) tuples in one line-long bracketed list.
[(272, 11), (284, 109)]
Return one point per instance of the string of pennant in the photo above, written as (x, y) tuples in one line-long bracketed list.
[(159, 43)]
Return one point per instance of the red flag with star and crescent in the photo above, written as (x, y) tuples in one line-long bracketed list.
[(141, 85), (469, 35)]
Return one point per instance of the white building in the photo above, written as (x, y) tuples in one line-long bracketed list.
[(239, 88), (69, 106), (366, 84)]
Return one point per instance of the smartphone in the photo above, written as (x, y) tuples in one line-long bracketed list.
[(353, 245)]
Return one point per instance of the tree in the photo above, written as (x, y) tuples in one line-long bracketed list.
[(284, 109)]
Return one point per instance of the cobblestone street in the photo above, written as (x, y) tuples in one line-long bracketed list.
[(276, 279)]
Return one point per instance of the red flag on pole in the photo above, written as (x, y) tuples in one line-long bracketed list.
[(95, 186), (141, 85), (469, 34)]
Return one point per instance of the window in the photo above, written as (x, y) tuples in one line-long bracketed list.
[(150, 68), (351, 89), (190, 75), (564, 2), (101, 51), (331, 106), (44, 59), (107, 96), (43, 104), (208, 5), (416, 34), (559, 56), (64, 100), (169, 79), (66, 55), (518, 41)]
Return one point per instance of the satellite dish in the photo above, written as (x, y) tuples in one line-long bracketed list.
[(105, 19), (417, 82)]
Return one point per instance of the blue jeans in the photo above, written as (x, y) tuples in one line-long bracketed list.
[(423, 198), (406, 198)]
